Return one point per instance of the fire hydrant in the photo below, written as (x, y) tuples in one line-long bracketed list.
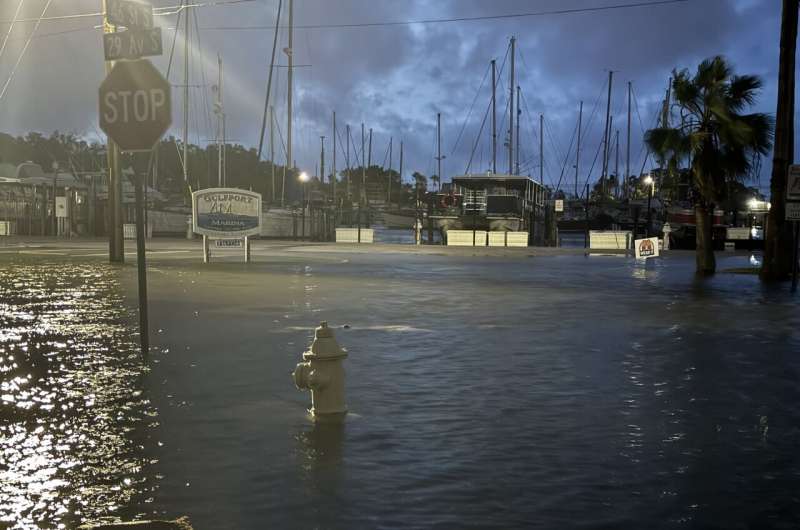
[(323, 374)]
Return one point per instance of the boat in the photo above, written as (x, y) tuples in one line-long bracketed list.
[(492, 202)]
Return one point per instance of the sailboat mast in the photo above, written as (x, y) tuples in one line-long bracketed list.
[(369, 155), (541, 149), (289, 78), (578, 150), (511, 110), (186, 59), (219, 122), (333, 174), (616, 162), (272, 147), (363, 166), (439, 147), (347, 159), (606, 133), (494, 116), (389, 192), (628, 146), (518, 113), (401, 163)]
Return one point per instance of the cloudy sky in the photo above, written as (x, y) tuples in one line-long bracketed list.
[(396, 78)]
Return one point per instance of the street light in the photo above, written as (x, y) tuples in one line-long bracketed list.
[(648, 181), (303, 178)]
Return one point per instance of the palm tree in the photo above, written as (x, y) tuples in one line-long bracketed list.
[(715, 139)]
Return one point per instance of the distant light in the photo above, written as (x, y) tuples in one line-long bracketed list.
[(304, 177), (648, 180), (752, 203)]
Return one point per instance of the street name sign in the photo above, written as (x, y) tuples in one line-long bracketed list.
[(646, 248), (793, 211), (793, 183), (559, 205), (132, 44), (226, 213), (135, 105), (130, 13)]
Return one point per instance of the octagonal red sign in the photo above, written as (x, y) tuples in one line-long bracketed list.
[(135, 105)]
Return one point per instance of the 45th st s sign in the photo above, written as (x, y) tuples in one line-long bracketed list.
[(135, 105)]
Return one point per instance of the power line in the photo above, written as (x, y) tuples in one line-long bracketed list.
[(10, 28), (24, 49), (157, 11), (465, 19)]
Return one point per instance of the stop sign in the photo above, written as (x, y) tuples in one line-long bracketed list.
[(135, 105)]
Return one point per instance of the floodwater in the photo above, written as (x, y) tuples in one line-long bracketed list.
[(484, 392)]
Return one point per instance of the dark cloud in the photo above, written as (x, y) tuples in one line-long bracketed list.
[(396, 78)]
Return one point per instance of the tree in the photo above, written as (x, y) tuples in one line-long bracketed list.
[(715, 139), (778, 245)]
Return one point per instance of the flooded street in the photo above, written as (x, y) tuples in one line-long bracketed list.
[(558, 391)]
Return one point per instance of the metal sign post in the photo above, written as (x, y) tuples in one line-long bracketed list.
[(135, 112)]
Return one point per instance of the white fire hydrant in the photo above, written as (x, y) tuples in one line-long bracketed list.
[(323, 374)]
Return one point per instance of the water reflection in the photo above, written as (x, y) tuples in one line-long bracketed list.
[(71, 412)]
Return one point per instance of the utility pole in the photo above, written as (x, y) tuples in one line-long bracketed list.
[(116, 243), (578, 150), (494, 116), (541, 149), (628, 145), (518, 114), (290, 53), (606, 133), (511, 110), (272, 147), (333, 174), (780, 259)]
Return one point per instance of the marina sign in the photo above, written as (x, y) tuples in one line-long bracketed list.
[(130, 13), (226, 212), (646, 248), (132, 44)]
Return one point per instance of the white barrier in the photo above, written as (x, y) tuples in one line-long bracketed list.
[(7, 228), (350, 235), (610, 239), (508, 239), (463, 238), (129, 231)]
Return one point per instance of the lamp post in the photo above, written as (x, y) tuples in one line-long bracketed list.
[(648, 181), (303, 177)]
